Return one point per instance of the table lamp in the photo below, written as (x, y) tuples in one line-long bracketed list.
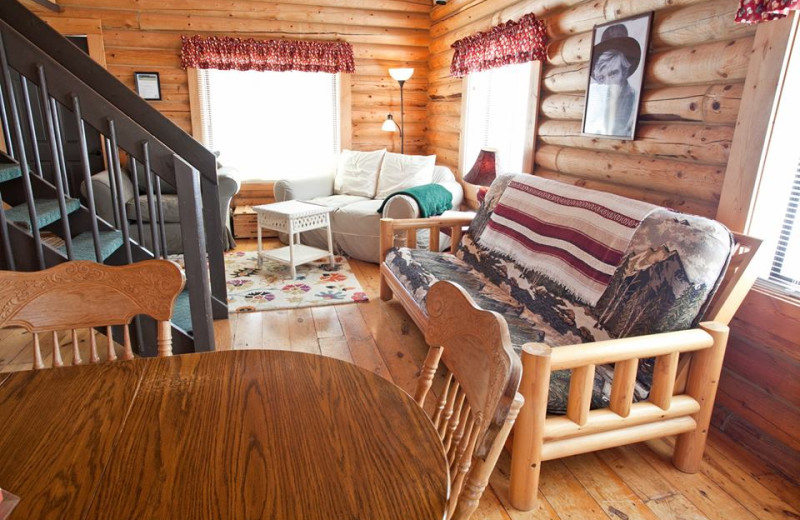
[(401, 75), (483, 172)]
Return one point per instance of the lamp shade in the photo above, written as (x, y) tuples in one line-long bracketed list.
[(401, 74), (484, 170), (389, 125)]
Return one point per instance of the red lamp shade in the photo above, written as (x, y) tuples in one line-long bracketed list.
[(484, 170)]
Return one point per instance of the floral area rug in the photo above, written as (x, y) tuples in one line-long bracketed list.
[(317, 283)]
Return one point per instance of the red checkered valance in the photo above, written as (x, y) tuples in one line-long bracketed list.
[(755, 11), (226, 53), (509, 42)]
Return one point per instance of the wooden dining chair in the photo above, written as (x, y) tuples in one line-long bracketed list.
[(86, 295), (479, 402)]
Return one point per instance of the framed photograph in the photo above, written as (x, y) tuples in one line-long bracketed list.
[(148, 85), (616, 73)]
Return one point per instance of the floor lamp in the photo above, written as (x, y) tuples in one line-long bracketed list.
[(401, 75)]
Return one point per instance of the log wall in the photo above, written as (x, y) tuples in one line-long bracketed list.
[(695, 70), (145, 36)]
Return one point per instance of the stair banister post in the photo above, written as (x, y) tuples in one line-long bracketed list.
[(49, 119), (87, 177), (116, 168), (151, 206), (187, 180), (9, 257), (26, 99), (22, 159)]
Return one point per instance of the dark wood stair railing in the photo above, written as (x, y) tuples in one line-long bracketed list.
[(67, 80)]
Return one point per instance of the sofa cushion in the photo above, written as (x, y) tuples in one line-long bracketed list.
[(357, 173), (418, 270), (399, 171), (169, 204), (337, 201)]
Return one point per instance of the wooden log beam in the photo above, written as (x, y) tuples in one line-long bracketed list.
[(707, 63), (689, 142), (583, 17), (683, 26), (717, 104), (669, 200), (352, 34), (288, 16), (703, 182)]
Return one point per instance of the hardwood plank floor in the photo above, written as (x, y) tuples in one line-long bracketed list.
[(631, 482)]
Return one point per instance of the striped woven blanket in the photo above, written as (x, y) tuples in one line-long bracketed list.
[(573, 235)]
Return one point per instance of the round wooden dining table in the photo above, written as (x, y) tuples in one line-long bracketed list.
[(245, 434)]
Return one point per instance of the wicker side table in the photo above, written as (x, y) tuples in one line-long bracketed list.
[(292, 217)]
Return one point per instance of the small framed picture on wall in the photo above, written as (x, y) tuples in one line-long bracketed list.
[(148, 85), (616, 73)]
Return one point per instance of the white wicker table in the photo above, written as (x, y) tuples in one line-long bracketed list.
[(292, 217)]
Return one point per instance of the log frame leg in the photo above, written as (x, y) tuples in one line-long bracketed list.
[(386, 291), (702, 384), (526, 453), (387, 242)]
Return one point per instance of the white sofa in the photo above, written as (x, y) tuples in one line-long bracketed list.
[(355, 221)]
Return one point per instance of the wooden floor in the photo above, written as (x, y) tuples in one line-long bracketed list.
[(633, 482)]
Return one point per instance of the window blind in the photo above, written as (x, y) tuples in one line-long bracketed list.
[(785, 268), (271, 125), (497, 105)]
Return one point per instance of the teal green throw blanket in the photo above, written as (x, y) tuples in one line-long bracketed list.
[(433, 199)]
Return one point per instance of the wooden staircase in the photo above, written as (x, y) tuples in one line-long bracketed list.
[(48, 211)]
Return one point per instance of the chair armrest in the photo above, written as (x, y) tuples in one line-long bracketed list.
[(228, 187), (401, 207), (304, 188), (101, 188)]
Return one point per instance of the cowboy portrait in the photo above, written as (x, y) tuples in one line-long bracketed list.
[(615, 78)]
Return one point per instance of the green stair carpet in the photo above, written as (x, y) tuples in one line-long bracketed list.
[(83, 245), (181, 315), (47, 212), (9, 171)]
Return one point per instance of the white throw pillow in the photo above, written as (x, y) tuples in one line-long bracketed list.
[(400, 171), (357, 173)]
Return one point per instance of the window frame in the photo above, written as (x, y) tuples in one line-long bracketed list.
[(764, 84), (531, 125), (345, 107)]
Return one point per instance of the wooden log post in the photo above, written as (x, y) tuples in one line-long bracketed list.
[(702, 385), (526, 462), (387, 241)]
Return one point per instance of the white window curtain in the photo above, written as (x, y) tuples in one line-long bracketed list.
[(271, 125), (498, 104)]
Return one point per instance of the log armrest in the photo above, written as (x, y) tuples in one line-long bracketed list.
[(390, 227), (685, 413)]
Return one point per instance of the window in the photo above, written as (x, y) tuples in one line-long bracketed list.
[(775, 215), (497, 114), (270, 125)]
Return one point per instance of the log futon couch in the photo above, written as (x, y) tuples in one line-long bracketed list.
[(618, 309)]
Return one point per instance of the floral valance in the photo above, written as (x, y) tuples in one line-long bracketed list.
[(755, 11), (509, 42), (225, 53)]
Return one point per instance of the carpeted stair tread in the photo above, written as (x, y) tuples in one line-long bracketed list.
[(9, 171), (181, 315), (83, 245), (47, 212)]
